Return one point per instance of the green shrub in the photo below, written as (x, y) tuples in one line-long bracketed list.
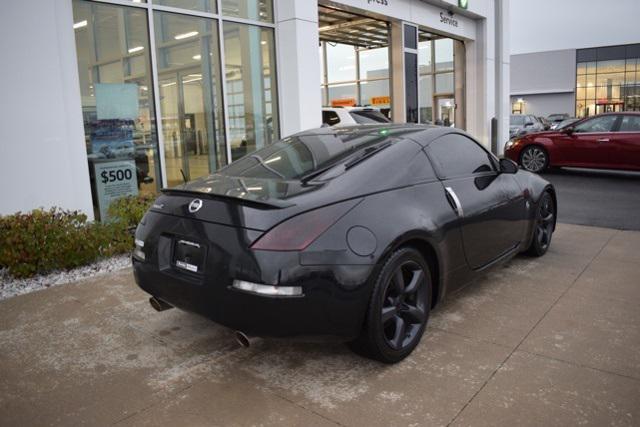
[(44, 240), (130, 209)]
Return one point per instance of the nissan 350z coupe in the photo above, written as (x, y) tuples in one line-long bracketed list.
[(351, 233)]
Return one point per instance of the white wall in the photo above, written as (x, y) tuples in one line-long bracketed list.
[(43, 159), (543, 72), (544, 25)]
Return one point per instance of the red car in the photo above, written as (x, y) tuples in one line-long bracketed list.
[(606, 141)]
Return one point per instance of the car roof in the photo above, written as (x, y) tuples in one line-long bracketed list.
[(419, 133)]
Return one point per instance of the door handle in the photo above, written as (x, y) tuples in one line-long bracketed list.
[(603, 140), (454, 201)]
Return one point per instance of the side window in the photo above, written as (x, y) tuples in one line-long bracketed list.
[(597, 124), (456, 155), (630, 124), (330, 117)]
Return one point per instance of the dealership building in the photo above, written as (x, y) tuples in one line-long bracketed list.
[(572, 57), (109, 98)]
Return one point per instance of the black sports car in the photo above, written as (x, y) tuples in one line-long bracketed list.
[(355, 233)]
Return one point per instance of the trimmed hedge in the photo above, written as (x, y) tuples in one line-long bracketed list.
[(45, 240)]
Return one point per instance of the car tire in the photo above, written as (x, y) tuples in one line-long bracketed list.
[(543, 227), (398, 312), (534, 159)]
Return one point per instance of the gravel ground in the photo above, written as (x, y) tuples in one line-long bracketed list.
[(10, 287)]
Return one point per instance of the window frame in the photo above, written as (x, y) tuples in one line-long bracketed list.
[(493, 160)]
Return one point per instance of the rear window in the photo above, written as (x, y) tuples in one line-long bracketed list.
[(294, 157), (369, 116)]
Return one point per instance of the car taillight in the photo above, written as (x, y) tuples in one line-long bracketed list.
[(296, 233)]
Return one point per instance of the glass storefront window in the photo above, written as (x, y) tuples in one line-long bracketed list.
[(609, 79), (607, 84), (117, 101), (375, 93), (199, 5), (341, 63), (251, 87), (374, 63), (614, 66), (321, 54), (259, 10), (344, 94), (117, 88), (426, 99), (190, 95), (424, 57), (444, 54), (444, 83)]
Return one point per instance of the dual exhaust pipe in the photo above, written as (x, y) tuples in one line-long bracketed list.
[(242, 339)]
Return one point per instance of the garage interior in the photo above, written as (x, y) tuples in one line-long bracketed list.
[(354, 58)]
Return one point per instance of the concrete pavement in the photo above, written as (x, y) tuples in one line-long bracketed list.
[(548, 341)]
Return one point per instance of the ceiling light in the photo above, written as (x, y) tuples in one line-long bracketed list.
[(263, 42), (80, 24), (136, 49), (197, 57), (254, 188), (186, 35)]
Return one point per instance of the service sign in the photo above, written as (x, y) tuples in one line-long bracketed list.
[(114, 179)]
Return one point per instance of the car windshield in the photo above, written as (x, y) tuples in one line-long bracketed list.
[(369, 116), (296, 157), (517, 120)]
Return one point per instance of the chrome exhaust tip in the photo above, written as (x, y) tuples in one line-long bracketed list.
[(244, 340), (158, 304)]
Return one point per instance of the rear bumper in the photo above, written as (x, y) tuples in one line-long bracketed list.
[(327, 307)]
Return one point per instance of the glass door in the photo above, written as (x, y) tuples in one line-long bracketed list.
[(445, 111), (190, 101)]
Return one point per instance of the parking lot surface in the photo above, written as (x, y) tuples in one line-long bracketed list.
[(598, 198), (539, 341)]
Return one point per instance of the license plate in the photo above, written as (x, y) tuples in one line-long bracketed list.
[(188, 255)]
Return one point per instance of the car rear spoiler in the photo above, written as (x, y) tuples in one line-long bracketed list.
[(261, 203)]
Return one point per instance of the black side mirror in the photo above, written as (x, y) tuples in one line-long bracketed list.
[(568, 130), (528, 124), (508, 166)]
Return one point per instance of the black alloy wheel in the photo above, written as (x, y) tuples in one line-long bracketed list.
[(399, 307), (543, 227), (534, 159)]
